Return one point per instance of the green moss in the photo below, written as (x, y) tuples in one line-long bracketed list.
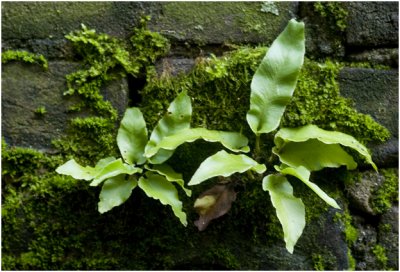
[(352, 261), (387, 194), (41, 111), (385, 228), (380, 254), (351, 235), (350, 231), (202, 21), (221, 255), (317, 101), (208, 85), (104, 59), (50, 222), (11, 55), (318, 261), (17, 161), (335, 12)]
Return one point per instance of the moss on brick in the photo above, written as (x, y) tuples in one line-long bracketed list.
[(51, 222), (24, 56), (388, 193)]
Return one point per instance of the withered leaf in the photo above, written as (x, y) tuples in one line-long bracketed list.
[(214, 203)]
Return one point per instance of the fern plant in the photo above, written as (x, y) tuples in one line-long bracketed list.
[(143, 163), (300, 150)]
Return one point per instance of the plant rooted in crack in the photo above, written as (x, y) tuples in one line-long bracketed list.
[(300, 150), (143, 161)]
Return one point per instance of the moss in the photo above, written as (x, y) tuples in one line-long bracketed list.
[(51, 222), (387, 194), (208, 85), (27, 57), (318, 261), (16, 161), (350, 231), (40, 111), (317, 101), (380, 254), (244, 22), (104, 59), (335, 12), (351, 235), (220, 255), (352, 261), (107, 58), (48, 219)]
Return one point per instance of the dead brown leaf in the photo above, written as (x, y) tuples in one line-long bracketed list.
[(214, 203)]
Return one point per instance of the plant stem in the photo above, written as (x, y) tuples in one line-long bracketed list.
[(257, 147)]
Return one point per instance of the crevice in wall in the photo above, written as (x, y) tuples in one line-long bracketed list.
[(135, 85)]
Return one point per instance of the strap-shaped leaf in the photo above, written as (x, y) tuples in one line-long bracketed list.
[(158, 187), (104, 169), (176, 119), (314, 155), (231, 140), (132, 136), (77, 171), (170, 175), (115, 191), (225, 164), (289, 209), (113, 169), (275, 79), (303, 174), (306, 133)]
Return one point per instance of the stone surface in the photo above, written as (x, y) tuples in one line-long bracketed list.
[(220, 22), (373, 24), (361, 191), (380, 56), (362, 248), (25, 88), (375, 92), (322, 236), (40, 27), (174, 66), (53, 20), (388, 233), (323, 38), (377, 231)]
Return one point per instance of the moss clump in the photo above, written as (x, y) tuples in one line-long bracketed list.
[(318, 261), (107, 58), (387, 194), (40, 111), (352, 261), (380, 254), (50, 222), (11, 55), (335, 12), (351, 235), (17, 161), (219, 87), (317, 101), (104, 59), (89, 140), (350, 231)]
